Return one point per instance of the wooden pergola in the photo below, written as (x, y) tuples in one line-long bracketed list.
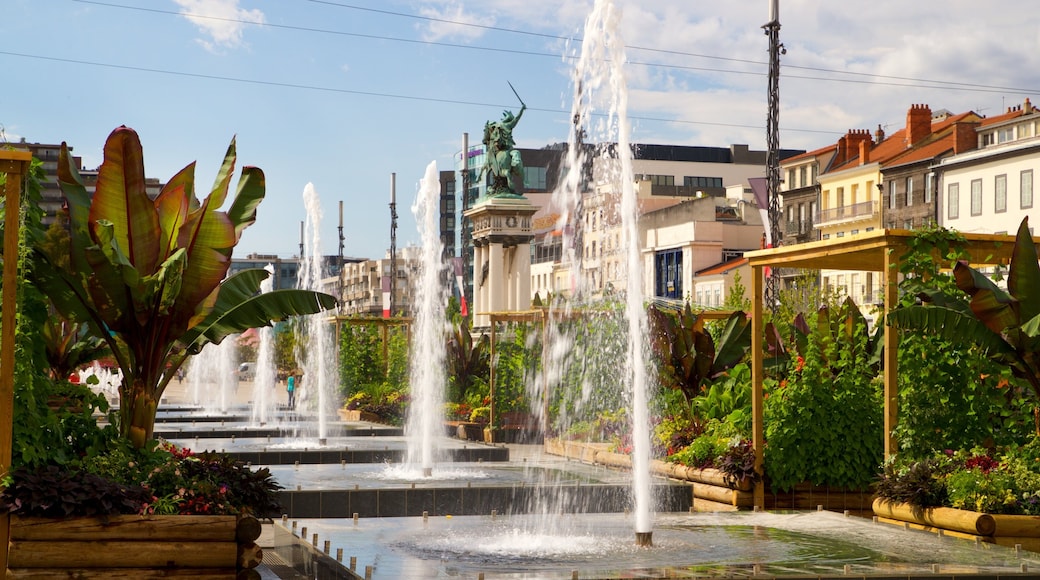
[(877, 251), (384, 325)]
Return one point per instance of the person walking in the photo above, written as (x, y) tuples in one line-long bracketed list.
[(290, 386)]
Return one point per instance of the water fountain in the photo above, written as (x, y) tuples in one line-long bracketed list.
[(265, 382), (600, 85), (212, 376), (316, 354), (427, 354)]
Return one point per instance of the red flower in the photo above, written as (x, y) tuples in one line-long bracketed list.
[(799, 364)]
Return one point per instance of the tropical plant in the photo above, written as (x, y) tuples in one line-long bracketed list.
[(150, 276), (822, 422), (469, 361), (688, 355), (956, 397), (1005, 324)]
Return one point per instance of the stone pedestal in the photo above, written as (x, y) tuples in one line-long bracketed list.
[(501, 256)]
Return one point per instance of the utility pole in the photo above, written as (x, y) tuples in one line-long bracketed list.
[(772, 30), (393, 241)]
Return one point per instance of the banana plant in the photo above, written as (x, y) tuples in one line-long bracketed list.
[(1005, 324), (688, 354), (469, 362), (149, 277)]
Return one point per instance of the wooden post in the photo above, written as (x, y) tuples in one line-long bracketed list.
[(757, 373), (15, 164), (891, 340), (491, 382)]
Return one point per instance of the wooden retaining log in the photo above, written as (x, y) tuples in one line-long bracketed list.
[(118, 573), (122, 554), (127, 546), (939, 517)]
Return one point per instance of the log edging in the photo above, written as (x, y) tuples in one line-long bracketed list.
[(136, 545)]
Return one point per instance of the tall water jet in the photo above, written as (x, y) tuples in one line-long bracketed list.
[(265, 380), (427, 361), (316, 353), (212, 376), (600, 90)]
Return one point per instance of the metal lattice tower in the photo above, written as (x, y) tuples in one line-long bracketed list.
[(393, 242), (772, 29)]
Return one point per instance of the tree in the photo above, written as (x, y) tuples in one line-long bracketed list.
[(149, 277)]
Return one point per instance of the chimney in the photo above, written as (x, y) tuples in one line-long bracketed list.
[(918, 124), (864, 151), (879, 135), (1027, 107), (964, 137)]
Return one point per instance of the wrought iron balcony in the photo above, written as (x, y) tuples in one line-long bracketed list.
[(864, 209)]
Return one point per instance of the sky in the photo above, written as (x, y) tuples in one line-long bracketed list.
[(343, 93)]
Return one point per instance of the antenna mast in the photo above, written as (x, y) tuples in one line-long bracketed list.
[(772, 30)]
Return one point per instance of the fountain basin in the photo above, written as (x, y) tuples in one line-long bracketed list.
[(744, 544)]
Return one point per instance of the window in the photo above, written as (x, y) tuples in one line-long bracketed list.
[(1000, 194), (802, 177), (790, 179), (1006, 134), (892, 194), (535, 177), (1025, 180), (668, 274), (929, 186), (841, 201), (702, 181), (987, 139), (908, 224), (976, 197), (953, 201), (840, 235), (909, 191), (662, 179)]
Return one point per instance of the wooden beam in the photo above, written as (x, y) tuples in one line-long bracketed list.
[(16, 165), (757, 370), (891, 346)]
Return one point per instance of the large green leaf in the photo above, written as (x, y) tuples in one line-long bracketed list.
[(262, 310), (992, 306), (121, 198), (1024, 278), (956, 327), (173, 204), (251, 188), (734, 342)]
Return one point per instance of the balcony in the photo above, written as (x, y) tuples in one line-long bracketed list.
[(845, 213)]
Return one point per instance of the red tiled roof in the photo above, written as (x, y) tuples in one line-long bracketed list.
[(809, 154), (723, 267)]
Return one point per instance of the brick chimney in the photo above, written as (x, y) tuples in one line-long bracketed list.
[(864, 151), (879, 135), (918, 124), (964, 136), (1027, 107)]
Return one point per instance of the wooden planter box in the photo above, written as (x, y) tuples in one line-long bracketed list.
[(999, 529), (130, 546), (356, 415), (709, 485)]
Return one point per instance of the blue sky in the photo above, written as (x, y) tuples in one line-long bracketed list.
[(341, 93)]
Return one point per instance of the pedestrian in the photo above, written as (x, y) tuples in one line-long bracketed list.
[(290, 386)]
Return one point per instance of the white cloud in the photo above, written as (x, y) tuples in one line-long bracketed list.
[(222, 21), (451, 20)]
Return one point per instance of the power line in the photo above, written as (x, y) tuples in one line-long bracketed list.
[(359, 92), (923, 83)]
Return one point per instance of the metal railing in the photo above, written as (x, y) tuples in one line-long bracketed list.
[(862, 209)]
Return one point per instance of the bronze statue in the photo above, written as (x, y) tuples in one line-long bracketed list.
[(502, 162)]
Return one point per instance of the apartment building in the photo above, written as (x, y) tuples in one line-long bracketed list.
[(989, 189)]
